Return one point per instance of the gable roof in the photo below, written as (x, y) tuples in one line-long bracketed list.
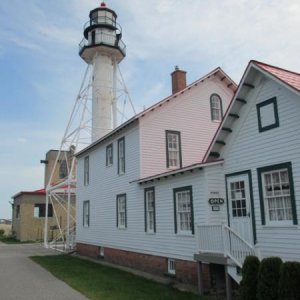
[(216, 72), (288, 78)]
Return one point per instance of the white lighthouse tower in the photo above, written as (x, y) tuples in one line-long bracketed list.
[(103, 48)]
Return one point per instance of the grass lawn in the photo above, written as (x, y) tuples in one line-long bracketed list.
[(101, 282)]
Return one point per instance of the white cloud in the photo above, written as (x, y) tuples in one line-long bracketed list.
[(22, 140), (197, 35)]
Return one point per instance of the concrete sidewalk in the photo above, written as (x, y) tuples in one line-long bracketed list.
[(22, 279)]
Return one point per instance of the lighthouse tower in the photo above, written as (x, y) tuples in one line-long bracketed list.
[(103, 48)]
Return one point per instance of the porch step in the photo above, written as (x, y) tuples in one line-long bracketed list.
[(214, 258), (234, 274)]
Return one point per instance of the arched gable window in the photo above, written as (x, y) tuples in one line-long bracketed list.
[(216, 107)]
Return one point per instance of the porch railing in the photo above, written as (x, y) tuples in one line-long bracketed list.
[(221, 239)]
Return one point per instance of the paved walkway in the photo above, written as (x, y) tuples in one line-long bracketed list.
[(22, 279)]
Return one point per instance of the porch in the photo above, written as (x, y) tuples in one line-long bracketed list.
[(219, 244)]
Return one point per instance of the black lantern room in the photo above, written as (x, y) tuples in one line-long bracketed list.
[(102, 34)]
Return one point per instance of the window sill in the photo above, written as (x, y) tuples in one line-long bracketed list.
[(183, 234), (283, 226), (109, 166), (170, 275), (150, 233), (121, 228)]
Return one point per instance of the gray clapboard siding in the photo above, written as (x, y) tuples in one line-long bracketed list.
[(249, 149)]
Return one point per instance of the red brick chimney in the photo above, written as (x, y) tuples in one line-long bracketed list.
[(178, 80)]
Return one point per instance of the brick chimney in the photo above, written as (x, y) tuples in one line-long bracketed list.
[(178, 80)]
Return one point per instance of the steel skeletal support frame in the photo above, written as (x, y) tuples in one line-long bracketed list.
[(62, 194)]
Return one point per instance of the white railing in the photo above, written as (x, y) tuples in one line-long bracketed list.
[(221, 239)]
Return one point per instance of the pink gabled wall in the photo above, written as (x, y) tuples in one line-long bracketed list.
[(188, 113)]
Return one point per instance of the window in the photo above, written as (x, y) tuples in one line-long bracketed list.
[(171, 266), (109, 155), (238, 199), (63, 169), (18, 211), (121, 211), (40, 210), (86, 170), (277, 194), (121, 156), (216, 107), (267, 114), (183, 210), (86, 213), (173, 146), (150, 225)]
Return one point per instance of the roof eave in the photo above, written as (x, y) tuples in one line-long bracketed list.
[(177, 171)]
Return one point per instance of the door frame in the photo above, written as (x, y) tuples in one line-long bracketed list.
[(249, 175)]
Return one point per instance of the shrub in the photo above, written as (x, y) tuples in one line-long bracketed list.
[(248, 285), (2, 232), (289, 281), (268, 278)]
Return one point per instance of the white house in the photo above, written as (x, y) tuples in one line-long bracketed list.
[(258, 142), (141, 188), (147, 199)]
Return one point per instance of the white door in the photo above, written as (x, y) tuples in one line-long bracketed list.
[(240, 207)]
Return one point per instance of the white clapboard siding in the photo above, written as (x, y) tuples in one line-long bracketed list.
[(103, 232), (215, 185), (248, 150), (188, 113)]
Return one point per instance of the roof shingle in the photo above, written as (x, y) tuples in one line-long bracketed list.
[(290, 78)]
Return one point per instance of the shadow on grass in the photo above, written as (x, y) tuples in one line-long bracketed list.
[(101, 282)]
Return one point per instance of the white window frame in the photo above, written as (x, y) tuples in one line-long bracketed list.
[(121, 211), (86, 170), (171, 266), (184, 210), (150, 210), (173, 147), (109, 155), (278, 197), (121, 156), (86, 213), (216, 107)]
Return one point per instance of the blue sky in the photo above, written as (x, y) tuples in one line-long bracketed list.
[(40, 70)]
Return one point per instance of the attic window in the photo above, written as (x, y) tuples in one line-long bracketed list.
[(267, 114), (216, 107)]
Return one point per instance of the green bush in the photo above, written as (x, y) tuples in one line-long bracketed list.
[(248, 285), (289, 281), (268, 278), (2, 232)]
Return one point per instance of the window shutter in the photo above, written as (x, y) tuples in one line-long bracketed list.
[(175, 212), (125, 211), (117, 211)]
